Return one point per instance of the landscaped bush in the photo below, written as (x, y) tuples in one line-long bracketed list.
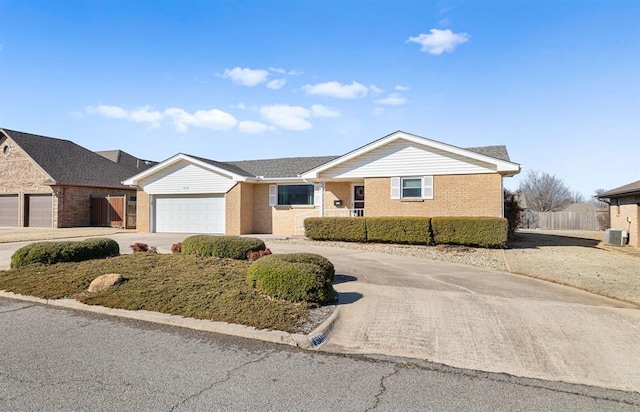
[(233, 247), (411, 230), (72, 251), (176, 248), (346, 229), (253, 256), (475, 231), (143, 248), (298, 277)]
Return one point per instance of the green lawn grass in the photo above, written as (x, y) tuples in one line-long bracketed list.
[(192, 286)]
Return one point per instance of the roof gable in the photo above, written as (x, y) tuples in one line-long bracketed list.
[(353, 163), (68, 163), (126, 160)]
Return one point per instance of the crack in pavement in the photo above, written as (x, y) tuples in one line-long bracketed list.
[(19, 309), (228, 376), (383, 387)]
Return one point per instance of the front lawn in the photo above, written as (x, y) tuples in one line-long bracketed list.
[(186, 285)]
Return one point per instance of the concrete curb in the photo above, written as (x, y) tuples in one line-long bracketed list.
[(273, 336)]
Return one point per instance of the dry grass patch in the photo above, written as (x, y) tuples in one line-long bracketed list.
[(192, 286)]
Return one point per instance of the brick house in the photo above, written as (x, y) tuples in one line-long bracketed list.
[(624, 210), (398, 175), (48, 182)]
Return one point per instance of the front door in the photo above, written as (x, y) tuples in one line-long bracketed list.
[(358, 200)]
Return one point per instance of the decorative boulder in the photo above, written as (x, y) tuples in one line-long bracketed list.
[(105, 282)]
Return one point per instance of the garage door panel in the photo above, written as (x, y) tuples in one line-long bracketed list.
[(190, 214), (39, 210), (9, 210)]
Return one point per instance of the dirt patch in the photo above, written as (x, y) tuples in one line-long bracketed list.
[(578, 259)]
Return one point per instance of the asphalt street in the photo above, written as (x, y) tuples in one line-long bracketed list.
[(58, 359)]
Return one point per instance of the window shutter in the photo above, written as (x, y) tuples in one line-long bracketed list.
[(427, 187), (317, 194), (273, 195), (395, 188)]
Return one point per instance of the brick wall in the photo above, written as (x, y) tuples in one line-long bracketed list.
[(337, 191), (454, 195), (143, 212), (239, 209), (20, 175), (620, 214), (74, 205)]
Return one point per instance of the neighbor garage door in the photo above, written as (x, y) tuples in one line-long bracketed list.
[(189, 214), (39, 210), (9, 210)]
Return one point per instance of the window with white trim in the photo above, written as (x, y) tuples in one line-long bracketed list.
[(289, 195), (414, 187)]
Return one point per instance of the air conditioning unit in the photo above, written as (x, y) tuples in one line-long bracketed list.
[(615, 237)]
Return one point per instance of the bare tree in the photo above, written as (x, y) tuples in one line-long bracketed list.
[(597, 202), (544, 192), (577, 197)]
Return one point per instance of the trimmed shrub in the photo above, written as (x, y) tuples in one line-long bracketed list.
[(410, 230), (232, 247), (253, 256), (297, 277), (143, 248), (473, 231), (176, 248), (49, 253), (346, 229)]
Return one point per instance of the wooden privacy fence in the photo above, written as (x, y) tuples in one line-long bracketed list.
[(590, 220), (108, 211)]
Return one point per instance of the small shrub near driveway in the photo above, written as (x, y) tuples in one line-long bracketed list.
[(295, 278), (49, 253), (232, 247), (345, 229), (410, 230), (473, 231)]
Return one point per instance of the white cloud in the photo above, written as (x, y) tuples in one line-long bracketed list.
[(112, 112), (240, 106), (318, 110), (375, 89), (252, 127), (283, 71), (337, 90), (439, 41), (209, 119), (394, 99), (144, 115), (401, 88), (276, 84), (378, 111), (287, 117), (246, 77), (213, 119)]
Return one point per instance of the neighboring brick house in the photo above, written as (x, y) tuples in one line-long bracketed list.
[(624, 210), (398, 175), (48, 182)]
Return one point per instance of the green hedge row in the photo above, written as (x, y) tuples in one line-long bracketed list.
[(472, 231), (296, 277), (232, 247), (49, 253)]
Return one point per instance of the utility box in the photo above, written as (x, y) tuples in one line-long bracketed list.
[(615, 237)]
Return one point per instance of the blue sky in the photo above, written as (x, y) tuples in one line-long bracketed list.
[(556, 81)]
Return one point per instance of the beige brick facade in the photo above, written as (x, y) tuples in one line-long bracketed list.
[(239, 209), (143, 212), (454, 195), (22, 176), (626, 216)]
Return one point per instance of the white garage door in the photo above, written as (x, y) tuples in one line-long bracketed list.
[(189, 214)]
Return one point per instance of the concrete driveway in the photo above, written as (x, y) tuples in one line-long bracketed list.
[(466, 317)]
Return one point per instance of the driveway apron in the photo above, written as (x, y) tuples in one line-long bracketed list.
[(480, 319)]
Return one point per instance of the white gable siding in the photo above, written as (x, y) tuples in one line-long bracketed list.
[(404, 158), (185, 178)]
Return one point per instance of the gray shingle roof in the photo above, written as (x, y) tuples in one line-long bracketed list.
[(70, 164), (629, 189), (285, 167), (124, 159), (497, 152)]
